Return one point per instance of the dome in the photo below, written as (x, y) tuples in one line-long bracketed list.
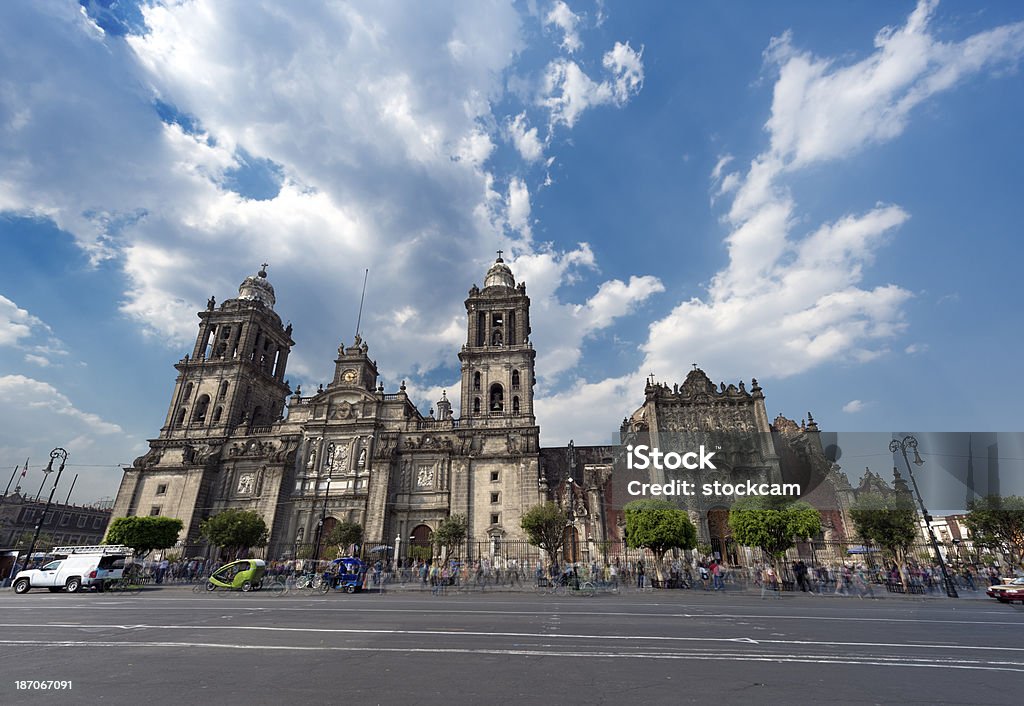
[(499, 275), (257, 288)]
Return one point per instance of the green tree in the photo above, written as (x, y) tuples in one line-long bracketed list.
[(235, 530), (144, 534), (450, 534), (772, 524), (419, 553), (888, 521), (344, 535), (658, 525), (545, 527), (997, 522)]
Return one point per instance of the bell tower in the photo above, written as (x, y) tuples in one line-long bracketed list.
[(498, 358), (235, 374)]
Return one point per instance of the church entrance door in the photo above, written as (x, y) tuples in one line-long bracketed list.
[(722, 547)]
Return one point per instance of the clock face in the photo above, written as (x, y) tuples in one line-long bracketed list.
[(349, 376)]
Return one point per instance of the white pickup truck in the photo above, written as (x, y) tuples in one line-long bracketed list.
[(80, 568)]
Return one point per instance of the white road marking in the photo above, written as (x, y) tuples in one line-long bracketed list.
[(278, 608), (461, 633), (702, 656)]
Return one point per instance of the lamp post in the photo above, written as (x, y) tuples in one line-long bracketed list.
[(901, 445), (63, 456), (320, 524)]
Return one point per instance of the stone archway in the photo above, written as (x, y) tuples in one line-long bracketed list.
[(329, 524), (718, 531), (570, 548), (419, 542)]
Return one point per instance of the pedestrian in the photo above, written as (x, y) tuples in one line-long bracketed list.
[(640, 573), (716, 576), (770, 582), (704, 574)]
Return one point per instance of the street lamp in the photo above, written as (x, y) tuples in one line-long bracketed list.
[(909, 442), (63, 456), (320, 524)]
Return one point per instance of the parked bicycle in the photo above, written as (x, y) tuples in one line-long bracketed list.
[(565, 585)]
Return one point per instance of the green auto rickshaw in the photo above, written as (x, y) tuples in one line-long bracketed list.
[(243, 575)]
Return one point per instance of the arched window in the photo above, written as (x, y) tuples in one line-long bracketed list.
[(476, 405), (496, 400), (476, 381), (180, 420), (188, 392), (202, 405), (257, 416), (223, 390), (515, 379), (216, 414), (515, 405)]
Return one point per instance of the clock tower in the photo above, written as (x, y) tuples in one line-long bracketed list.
[(353, 367)]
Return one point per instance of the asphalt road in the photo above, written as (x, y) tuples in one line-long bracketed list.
[(173, 646)]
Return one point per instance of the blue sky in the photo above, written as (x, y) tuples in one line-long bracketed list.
[(824, 196)]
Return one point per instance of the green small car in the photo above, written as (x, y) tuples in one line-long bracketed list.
[(243, 575)]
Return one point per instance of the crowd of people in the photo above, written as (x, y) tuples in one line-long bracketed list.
[(701, 573)]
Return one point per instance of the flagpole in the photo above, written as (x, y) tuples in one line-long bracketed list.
[(71, 488), (24, 472), (12, 479), (45, 476), (359, 319)]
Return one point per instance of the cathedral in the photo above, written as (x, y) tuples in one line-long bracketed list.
[(237, 436)]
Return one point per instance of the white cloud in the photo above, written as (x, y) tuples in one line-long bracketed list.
[(627, 69), (567, 91), (787, 302), (16, 323), (382, 144), (854, 406), (37, 360), (560, 328), (36, 417), (518, 205), (915, 348), (21, 394), (21, 330), (720, 166), (562, 17), (588, 412), (525, 139), (791, 299), (822, 111)]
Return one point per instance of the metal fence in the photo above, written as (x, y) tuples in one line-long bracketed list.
[(522, 553)]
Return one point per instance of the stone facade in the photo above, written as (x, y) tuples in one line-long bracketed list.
[(64, 525), (236, 437)]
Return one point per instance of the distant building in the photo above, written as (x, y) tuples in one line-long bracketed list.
[(64, 524)]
